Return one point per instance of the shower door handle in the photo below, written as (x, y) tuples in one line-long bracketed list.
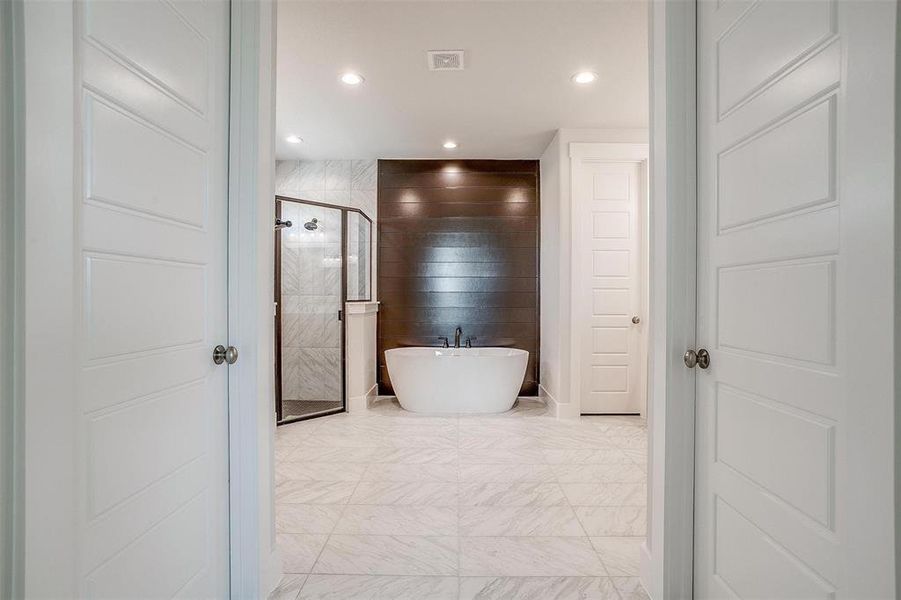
[(340, 315)]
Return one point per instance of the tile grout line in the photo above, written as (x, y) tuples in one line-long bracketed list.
[(329, 536)]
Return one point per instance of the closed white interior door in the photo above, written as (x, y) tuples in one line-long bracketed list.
[(794, 434), (606, 195), (151, 210)]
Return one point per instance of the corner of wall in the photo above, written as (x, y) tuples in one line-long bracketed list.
[(549, 259)]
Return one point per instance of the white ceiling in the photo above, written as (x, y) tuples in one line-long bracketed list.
[(515, 91)]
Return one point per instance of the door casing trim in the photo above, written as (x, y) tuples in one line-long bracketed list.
[(667, 569), (255, 564)]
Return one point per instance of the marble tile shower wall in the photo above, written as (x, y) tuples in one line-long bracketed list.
[(311, 270), (342, 182)]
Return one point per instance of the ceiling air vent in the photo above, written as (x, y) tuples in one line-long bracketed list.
[(445, 60)]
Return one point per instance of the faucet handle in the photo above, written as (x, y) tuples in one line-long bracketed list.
[(443, 337), (469, 341)]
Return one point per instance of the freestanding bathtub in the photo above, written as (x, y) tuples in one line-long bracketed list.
[(456, 380)]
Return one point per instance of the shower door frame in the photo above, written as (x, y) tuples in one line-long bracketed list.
[(342, 312)]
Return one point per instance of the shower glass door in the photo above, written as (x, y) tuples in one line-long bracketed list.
[(310, 290)]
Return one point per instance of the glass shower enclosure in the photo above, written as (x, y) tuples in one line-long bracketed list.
[(323, 259)]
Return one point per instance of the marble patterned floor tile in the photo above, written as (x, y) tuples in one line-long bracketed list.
[(497, 428), (473, 442), (613, 520), (522, 556), (502, 473), (288, 588), (638, 455), (416, 455), (420, 441), (631, 420), (585, 456), (306, 518), (355, 427), (537, 588), (523, 493), (320, 453), (502, 456), (442, 479), (623, 473), (576, 439), (411, 472), (621, 556), (606, 494), (378, 587), (406, 493), (343, 440), (407, 427), (299, 551), (314, 492), (630, 588), (627, 442), (283, 452), (519, 521), (388, 555), (402, 418), (319, 471), (366, 519), (290, 437)]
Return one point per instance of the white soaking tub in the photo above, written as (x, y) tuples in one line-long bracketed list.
[(456, 380)]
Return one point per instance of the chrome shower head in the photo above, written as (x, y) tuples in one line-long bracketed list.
[(311, 225)]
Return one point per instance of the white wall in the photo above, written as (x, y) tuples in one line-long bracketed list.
[(362, 388), (557, 386)]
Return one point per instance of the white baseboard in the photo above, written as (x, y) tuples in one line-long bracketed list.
[(644, 570), (362, 403), (561, 410), (272, 573)]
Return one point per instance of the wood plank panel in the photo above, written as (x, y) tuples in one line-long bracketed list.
[(388, 167), (449, 179), (458, 284), (488, 195), (413, 268), (458, 246), (458, 254), (525, 239), (407, 298), (454, 314), (459, 225), (438, 209)]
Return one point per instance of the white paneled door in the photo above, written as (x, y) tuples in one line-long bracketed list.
[(151, 208), (794, 435), (606, 204)]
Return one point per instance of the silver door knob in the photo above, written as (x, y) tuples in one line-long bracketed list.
[(693, 359), (221, 354), (636, 320)]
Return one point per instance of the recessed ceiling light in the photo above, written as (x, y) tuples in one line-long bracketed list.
[(294, 139), (352, 78), (583, 77), (449, 145)]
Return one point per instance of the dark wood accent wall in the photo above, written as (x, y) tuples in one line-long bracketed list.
[(458, 245)]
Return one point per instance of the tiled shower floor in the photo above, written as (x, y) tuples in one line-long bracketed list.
[(520, 505)]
